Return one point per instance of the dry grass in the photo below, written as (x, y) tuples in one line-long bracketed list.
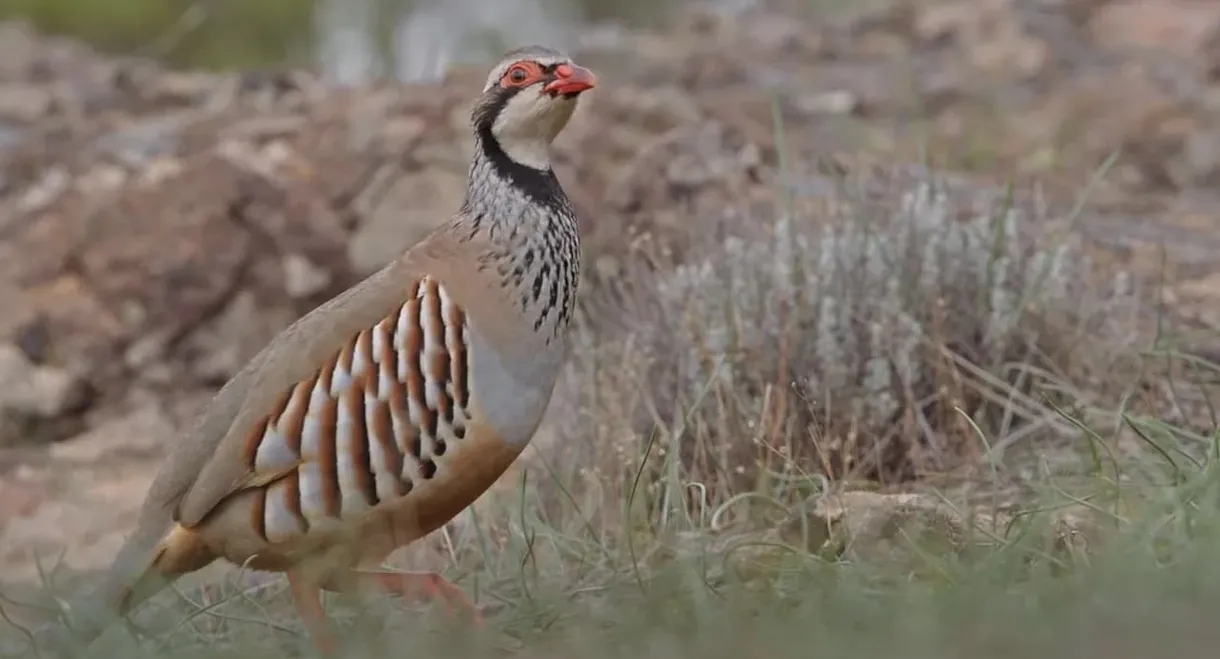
[(659, 588), (906, 328)]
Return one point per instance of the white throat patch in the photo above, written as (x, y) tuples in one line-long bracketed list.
[(529, 122)]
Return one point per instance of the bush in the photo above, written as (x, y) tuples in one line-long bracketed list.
[(903, 329)]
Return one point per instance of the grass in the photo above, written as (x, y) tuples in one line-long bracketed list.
[(1144, 585)]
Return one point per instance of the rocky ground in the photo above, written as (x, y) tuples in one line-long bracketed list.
[(157, 227)]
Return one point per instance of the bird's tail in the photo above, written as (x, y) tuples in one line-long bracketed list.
[(147, 563)]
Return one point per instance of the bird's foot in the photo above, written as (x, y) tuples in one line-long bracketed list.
[(418, 586), (408, 585)]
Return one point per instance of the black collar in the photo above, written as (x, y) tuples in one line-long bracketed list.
[(539, 185)]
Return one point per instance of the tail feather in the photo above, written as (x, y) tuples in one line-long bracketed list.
[(183, 551), (145, 565)]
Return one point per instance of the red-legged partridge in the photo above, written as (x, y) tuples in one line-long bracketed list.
[(379, 416)]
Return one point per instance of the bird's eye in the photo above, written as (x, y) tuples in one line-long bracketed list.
[(518, 74)]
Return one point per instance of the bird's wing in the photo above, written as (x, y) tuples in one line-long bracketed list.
[(212, 467)]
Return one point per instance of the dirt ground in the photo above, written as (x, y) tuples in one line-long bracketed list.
[(157, 227)]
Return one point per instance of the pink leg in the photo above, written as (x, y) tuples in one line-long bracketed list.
[(417, 586), (309, 606), (408, 585)]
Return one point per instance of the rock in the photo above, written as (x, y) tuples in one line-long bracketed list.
[(1201, 297), (39, 391), (263, 129), (991, 33), (686, 158), (274, 161), (302, 278), (654, 110), (19, 498), (101, 179), (1181, 27), (1128, 108), (827, 103), (900, 532), (401, 211), (184, 87), (1200, 160), (143, 140), (159, 170), (240, 330), (146, 350), (905, 529), (24, 103), (93, 515), (143, 433), (45, 191), (400, 134), (34, 339), (944, 21), (881, 527), (99, 479)]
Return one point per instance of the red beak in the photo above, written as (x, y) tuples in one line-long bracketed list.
[(571, 79)]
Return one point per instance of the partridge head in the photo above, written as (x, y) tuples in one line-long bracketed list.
[(528, 99), (380, 415)]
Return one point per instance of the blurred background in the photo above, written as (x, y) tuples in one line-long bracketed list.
[(350, 40), (180, 180)]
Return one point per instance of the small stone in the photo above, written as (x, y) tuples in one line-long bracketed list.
[(145, 350), (45, 191), (261, 129), (837, 102), (34, 339), (1202, 158), (943, 21), (19, 498), (656, 109), (1204, 289), (145, 431), (185, 87), (137, 143), (224, 345), (39, 391), (1181, 27), (302, 278), (410, 207), (402, 133), (101, 179), (24, 103), (160, 170)]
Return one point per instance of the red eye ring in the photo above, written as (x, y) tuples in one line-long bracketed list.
[(517, 74)]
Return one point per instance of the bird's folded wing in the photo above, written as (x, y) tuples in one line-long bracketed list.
[(225, 465)]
